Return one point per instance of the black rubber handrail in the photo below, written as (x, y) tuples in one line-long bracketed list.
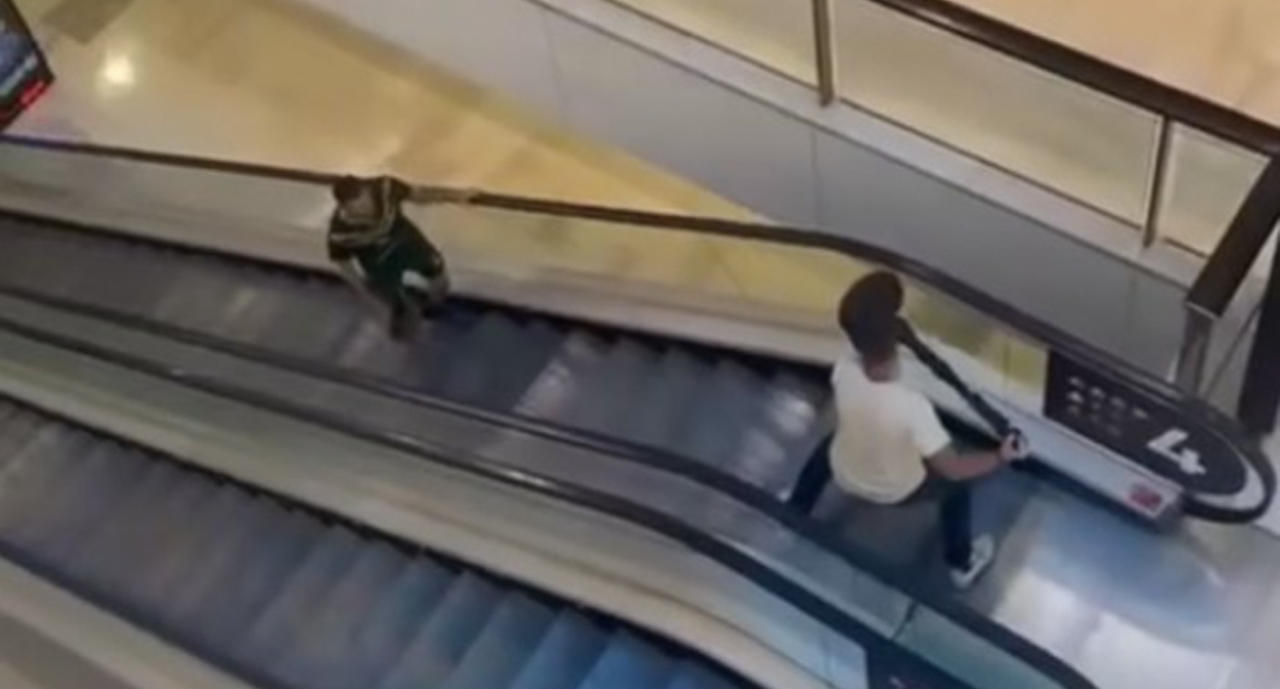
[(712, 545), (231, 167), (1000, 312), (1219, 280), (856, 556), (1074, 65)]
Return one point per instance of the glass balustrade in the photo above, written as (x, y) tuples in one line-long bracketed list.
[(1178, 188)]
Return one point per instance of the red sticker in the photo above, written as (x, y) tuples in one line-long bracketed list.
[(1146, 497)]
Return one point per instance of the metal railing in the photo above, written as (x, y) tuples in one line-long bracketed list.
[(1169, 127)]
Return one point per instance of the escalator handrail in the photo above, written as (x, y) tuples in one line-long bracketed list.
[(858, 557), (1000, 312), (706, 543)]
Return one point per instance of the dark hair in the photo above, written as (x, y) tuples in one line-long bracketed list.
[(348, 188), (869, 315)]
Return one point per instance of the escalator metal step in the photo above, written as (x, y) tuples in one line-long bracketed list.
[(505, 645), (197, 533), (330, 632), (447, 634), (476, 357), (555, 390), (604, 394), (65, 502), (793, 410), (628, 663), (158, 527), (63, 537), (565, 655), (214, 565), (259, 576), (689, 675), (723, 408), (267, 637), (101, 557), (391, 626), (33, 471), (664, 400), (518, 367)]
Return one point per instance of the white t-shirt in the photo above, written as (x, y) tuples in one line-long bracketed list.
[(883, 435)]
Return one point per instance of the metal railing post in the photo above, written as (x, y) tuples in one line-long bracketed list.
[(1155, 191), (1259, 403), (824, 51), (1188, 372)]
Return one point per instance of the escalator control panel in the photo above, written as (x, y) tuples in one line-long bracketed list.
[(1142, 427)]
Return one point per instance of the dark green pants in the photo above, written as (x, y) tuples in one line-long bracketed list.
[(405, 275)]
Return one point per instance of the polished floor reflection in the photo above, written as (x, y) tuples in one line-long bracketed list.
[(1193, 609), (268, 81), (1128, 606)]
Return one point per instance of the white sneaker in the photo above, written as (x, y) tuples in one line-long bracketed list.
[(981, 556)]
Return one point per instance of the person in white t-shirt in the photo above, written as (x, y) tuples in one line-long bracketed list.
[(889, 446)]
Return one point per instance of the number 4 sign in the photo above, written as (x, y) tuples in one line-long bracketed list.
[(1167, 445), (1143, 427)]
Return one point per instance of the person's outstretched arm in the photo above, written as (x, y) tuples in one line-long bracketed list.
[(964, 466), (933, 442)]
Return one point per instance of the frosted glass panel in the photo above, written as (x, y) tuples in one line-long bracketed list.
[(776, 33), (1208, 180), (1050, 130)]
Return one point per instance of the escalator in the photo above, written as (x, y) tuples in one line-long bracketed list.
[(746, 417), (733, 418), (806, 607), (752, 419), (285, 596)]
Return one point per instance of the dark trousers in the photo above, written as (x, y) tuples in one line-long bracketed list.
[(954, 498), (386, 271)]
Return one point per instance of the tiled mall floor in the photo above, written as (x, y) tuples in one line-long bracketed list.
[(264, 80)]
